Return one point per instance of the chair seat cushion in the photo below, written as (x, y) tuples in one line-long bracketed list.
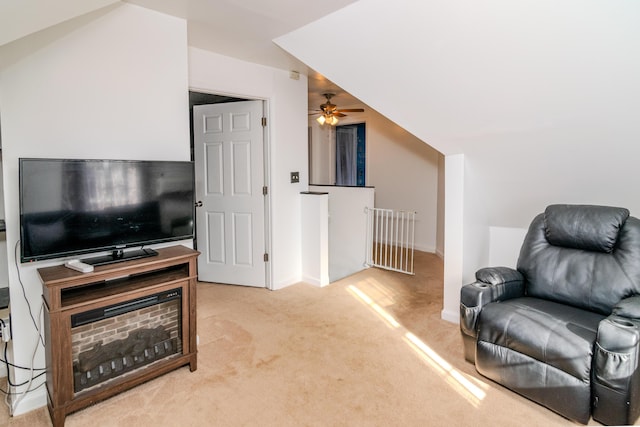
[(554, 334)]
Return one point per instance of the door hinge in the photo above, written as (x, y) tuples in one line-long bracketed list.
[(264, 121), (266, 257), (265, 191)]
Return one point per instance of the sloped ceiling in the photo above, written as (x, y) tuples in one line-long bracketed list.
[(457, 72), (242, 29), (245, 29), (21, 18)]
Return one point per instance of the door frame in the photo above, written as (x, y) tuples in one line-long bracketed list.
[(266, 160), (266, 154)]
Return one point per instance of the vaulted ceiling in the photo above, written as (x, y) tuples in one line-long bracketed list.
[(245, 29), (242, 29)]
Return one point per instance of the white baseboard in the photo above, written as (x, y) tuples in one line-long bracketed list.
[(317, 282), (32, 401), (284, 283), (449, 316), (422, 248)]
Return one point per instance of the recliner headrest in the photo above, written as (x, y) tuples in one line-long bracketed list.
[(592, 228)]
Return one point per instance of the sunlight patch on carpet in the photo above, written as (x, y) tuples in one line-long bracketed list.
[(473, 393), (388, 318), (454, 378)]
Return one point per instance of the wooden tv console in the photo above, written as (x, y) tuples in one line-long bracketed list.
[(67, 292)]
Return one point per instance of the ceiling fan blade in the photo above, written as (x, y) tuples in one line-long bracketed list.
[(351, 110), (338, 114)]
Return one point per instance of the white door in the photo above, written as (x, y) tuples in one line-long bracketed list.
[(228, 152)]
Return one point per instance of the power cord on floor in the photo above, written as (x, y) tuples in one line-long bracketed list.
[(28, 388), (20, 395), (9, 364), (9, 382), (8, 393)]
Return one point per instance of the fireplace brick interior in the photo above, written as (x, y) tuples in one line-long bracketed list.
[(114, 346)]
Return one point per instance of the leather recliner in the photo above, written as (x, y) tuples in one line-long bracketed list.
[(563, 329)]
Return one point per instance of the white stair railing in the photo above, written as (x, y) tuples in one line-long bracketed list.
[(390, 239)]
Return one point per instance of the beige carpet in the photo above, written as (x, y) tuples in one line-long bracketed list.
[(369, 350)]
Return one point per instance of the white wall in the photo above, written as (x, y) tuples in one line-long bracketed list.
[(504, 245), (113, 84), (287, 103), (454, 232), (347, 228), (404, 171), (322, 158), (402, 168), (541, 97), (441, 207), (315, 238)]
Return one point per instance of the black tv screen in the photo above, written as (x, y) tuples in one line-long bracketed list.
[(70, 207)]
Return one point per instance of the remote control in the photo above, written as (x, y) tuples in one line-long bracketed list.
[(78, 265)]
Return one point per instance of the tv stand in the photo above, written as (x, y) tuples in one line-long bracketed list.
[(130, 291), (120, 255)]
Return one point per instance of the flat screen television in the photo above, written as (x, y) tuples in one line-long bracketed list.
[(70, 207)]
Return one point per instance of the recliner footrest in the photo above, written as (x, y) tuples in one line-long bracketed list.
[(542, 383)]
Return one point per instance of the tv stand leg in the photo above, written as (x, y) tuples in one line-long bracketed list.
[(57, 416)]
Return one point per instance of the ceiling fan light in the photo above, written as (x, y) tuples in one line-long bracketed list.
[(321, 120), (333, 120)]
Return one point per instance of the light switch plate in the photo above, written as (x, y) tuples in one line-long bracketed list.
[(295, 177)]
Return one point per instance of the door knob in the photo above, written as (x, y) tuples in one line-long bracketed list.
[(198, 204)]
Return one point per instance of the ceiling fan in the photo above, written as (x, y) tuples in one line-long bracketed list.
[(329, 112)]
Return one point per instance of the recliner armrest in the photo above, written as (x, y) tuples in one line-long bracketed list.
[(498, 275), (492, 284)]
